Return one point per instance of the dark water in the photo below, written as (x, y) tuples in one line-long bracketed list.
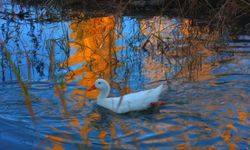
[(207, 74)]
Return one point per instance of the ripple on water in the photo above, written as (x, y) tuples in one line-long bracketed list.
[(206, 108)]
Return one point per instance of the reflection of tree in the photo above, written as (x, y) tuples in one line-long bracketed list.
[(196, 51), (23, 43), (182, 47), (95, 52), (94, 41)]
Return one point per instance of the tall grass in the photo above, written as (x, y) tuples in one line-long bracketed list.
[(19, 79), (58, 87)]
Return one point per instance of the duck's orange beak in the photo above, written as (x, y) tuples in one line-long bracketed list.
[(93, 87)]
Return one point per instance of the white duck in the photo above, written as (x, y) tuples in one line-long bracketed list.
[(131, 102)]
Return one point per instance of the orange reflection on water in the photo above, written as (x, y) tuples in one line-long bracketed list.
[(75, 122), (84, 131), (242, 116), (183, 146), (57, 147), (187, 48), (113, 134), (101, 137), (95, 55), (197, 38), (226, 135), (94, 41), (232, 127), (56, 138), (158, 31)]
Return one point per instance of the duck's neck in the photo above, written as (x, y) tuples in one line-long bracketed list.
[(104, 92)]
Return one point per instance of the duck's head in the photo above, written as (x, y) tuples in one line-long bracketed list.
[(100, 84), (103, 86)]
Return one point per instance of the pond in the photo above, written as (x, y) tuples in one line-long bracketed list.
[(46, 67)]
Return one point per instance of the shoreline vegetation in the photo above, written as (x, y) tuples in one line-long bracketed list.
[(216, 14)]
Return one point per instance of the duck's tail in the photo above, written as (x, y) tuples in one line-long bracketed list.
[(158, 103), (160, 88)]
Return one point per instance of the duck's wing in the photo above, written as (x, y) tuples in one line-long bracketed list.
[(151, 94), (141, 100), (133, 102)]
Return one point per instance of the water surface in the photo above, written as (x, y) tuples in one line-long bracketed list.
[(206, 72)]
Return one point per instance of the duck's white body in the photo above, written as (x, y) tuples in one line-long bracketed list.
[(130, 102)]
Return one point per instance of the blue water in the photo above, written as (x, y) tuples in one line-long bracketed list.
[(207, 83)]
